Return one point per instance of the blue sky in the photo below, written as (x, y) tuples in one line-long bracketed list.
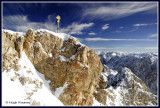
[(107, 26)]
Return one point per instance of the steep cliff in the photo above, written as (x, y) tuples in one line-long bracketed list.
[(124, 89), (72, 68)]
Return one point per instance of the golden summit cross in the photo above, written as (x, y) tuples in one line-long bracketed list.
[(58, 20)]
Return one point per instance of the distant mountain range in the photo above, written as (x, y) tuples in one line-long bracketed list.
[(143, 65)]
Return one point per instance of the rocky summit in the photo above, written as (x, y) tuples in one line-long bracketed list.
[(50, 69), (64, 61)]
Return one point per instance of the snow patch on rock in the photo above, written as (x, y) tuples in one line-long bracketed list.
[(60, 90), (20, 34)]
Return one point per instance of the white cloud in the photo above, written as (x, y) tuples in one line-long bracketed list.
[(135, 49), (106, 26), (117, 10), (153, 35), (121, 27), (118, 31), (106, 39), (134, 29), (128, 45), (100, 48), (76, 28), (138, 25), (22, 24), (91, 33)]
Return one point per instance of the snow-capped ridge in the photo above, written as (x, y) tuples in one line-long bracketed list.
[(63, 36), (143, 65), (126, 89), (20, 34)]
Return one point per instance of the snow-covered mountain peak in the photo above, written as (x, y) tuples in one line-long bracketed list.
[(71, 69), (19, 34), (143, 65), (123, 89), (42, 67)]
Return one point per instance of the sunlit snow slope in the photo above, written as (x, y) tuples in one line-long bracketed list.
[(26, 86)]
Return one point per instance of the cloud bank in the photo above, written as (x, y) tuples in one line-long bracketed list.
[(106, 39), (117, 10), (21, 23), (76, 28)]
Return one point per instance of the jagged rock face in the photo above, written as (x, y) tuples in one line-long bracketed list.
[(138, 63), (103, 81), (81, 74), (138, 93), (49, 41), (62, 61), (11, 53), (101, 96), (19, 45), (130, 91), (8, 51)]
